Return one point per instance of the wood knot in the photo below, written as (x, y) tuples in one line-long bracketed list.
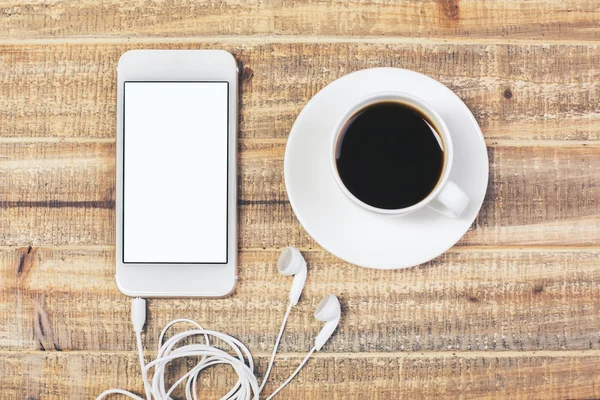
[(473, 299), (537, 289), (25, 261), (508, 94), (450, 9), (42, 328), (247, 74)]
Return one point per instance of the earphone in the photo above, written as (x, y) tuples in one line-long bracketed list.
[(290, 262), (328, 311)]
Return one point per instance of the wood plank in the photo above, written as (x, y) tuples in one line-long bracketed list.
[(516, 91), (57, 192), (85, 375), (63, 194), (465, 19), (465, 300)]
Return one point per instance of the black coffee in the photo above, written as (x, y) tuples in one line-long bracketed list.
[(389, 157)]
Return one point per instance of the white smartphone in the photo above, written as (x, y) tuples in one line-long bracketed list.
[(176, 214)]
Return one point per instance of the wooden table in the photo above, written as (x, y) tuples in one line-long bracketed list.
[(513, 310)]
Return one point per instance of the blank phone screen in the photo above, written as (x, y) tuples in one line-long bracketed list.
[(175, 164)]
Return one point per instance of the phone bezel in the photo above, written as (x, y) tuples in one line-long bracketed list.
[(179, 279)]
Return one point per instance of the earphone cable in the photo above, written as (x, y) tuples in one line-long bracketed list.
[(293, 375), (138, 340), (266, 377)]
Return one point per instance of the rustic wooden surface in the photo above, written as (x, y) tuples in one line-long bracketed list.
[(512, 311)]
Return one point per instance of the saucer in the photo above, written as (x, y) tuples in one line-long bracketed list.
[(350, 232)]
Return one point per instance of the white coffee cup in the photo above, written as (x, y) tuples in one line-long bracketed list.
[(446, 197)]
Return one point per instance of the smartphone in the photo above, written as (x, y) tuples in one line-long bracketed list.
[(176, 218)]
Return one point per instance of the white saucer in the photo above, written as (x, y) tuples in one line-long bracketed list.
[(350, 232)]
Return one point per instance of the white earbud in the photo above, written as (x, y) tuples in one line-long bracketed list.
[(328, 311), (291, 262)]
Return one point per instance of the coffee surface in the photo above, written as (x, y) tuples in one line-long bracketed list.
[(390, 157)]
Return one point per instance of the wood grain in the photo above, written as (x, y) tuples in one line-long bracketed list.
[(63, 194), (516, 92), (449, 19), (465, 300), (394, 376)]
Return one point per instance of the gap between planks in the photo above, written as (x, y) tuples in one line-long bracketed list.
[(303, 39), (426, 354), (488, 142)]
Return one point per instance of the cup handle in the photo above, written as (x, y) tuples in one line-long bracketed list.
[(451, 201)]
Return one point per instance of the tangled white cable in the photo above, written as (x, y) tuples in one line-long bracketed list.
[(246, 387)]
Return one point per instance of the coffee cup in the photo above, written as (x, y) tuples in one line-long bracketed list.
[(391, 153)]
